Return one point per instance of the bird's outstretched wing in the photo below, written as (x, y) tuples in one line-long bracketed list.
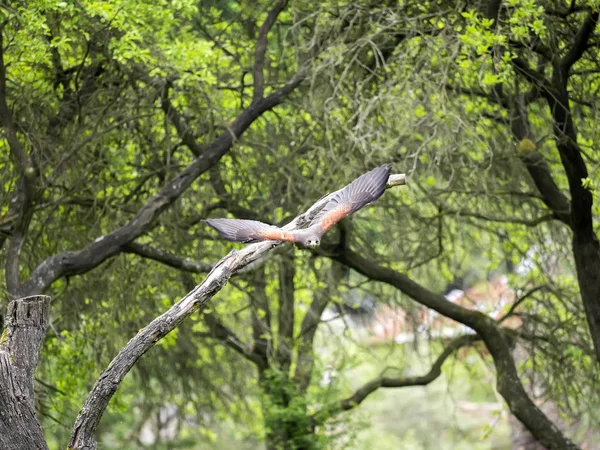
[(365, 189), (248, 231)]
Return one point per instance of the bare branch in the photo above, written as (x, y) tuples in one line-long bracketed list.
[(261, 49), (398, 179), (83, 436), (161, 256), (108, 382), (579, 46), (71, 263), (520, 300), (384, 382), (217, 330), (586, 246)]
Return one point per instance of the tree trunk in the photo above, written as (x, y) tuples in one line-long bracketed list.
[(25, 328), (586, 250)]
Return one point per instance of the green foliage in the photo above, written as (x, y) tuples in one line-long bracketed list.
[(412, 84), (286, 416), (438, 416)]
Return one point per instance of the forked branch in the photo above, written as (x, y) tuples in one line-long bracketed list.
[(579, 45), (508, 382)]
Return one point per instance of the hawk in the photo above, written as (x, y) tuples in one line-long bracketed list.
[(365, 189)]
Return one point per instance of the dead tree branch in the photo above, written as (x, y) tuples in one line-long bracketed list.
[(83, 436)]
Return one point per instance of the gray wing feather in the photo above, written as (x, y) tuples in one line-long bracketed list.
[(365, 189), (238, 230)]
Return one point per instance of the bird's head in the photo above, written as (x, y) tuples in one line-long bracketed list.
[(311, 242)]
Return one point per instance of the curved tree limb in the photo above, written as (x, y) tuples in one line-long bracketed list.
[(579, 46), (540, 173), (78, 262), (536, 164), (586, 246), (384, 382), (508, 383), (83, 436), (161, 256), (575, 212)]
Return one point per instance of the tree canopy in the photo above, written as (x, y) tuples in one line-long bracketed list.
[(126, 123)]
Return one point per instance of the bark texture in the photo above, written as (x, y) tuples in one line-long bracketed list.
[(25, 328)]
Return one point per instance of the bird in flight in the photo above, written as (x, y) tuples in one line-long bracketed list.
[(365, 189)]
